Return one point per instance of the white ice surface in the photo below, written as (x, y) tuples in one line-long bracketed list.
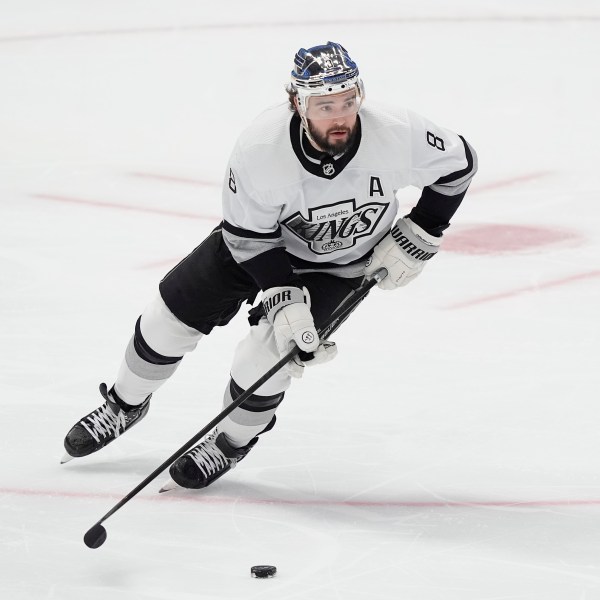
[(451, 452)]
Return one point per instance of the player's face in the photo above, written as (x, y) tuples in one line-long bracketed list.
[(325, 108), (332, 120)]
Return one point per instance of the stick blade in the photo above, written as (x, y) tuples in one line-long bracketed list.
[(95, 537), (168, 486)]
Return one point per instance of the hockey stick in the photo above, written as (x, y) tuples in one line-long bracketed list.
[(96, 535)]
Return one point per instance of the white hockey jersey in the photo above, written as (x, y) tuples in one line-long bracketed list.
[(286, 205)]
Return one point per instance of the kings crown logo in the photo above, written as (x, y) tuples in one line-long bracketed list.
[(335, 226)]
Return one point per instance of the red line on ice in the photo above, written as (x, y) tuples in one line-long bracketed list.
[(187, 496), (476, 189), (115, 205), (522, 290), (199, 182), (493, 185)]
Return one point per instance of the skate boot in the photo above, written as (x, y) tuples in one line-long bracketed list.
[(103, 425), (206, 462)]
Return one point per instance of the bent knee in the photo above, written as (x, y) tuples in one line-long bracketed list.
[(160, 330), (254, 356)]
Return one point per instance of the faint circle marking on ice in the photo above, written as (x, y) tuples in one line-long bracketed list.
[(502, 238)]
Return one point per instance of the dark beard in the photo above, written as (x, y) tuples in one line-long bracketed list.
[(338, 147)]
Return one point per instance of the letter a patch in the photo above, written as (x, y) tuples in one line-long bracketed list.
[(375, 187)]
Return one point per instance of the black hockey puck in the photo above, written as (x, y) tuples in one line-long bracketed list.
[(263, 571)]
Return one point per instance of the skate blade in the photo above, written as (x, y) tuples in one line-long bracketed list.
[(66, 458), (168, 486)]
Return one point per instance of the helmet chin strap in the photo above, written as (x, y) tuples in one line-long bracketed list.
[(306, 128), (304, 121)]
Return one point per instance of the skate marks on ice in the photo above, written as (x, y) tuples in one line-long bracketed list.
[(416, 547)]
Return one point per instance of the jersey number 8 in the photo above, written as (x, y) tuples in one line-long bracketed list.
[(435, 141)]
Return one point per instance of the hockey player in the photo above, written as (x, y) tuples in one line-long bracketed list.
[(309, 207)]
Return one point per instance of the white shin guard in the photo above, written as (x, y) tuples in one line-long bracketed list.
[(154, 353), (254, 356)]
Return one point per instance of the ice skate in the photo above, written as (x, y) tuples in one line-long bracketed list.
[(102, 425), (205, 463)]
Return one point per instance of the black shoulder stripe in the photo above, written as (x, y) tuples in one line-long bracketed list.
[(247, 233), (459, 174)]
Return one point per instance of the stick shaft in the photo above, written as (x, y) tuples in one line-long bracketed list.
[(340, 313)]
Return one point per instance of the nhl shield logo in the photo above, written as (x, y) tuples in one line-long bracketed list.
[(328, 169)]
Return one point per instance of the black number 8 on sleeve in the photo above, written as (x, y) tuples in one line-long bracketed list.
[(435, 141)]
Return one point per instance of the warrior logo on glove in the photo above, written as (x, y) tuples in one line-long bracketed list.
[(273, 301), (308, 337), (409, 247), (403, 253)]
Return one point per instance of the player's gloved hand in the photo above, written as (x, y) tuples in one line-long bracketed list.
[(403, 252), (288, 310)]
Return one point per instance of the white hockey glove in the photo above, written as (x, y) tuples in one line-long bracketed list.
[(403, 252), (288, 310)]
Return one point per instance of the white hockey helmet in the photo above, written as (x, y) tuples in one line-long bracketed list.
[(322, 71)]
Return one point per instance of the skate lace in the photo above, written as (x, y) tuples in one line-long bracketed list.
[(103, 422), (209, 457)]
